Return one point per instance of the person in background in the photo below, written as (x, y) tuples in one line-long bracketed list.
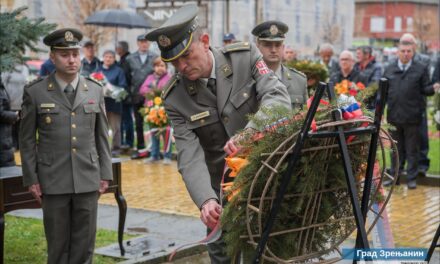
[(127, 126), (157, 80), (7, 118), (46, 68), (14, 82), (290, 54), (90, 63), (228, 38), (140, 65), (270, 41), (409, 84), (346, 70), (64, 150), (367, 66), (326, 52), (115, 76), (424, 137)]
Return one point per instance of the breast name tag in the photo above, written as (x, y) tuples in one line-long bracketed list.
[(200, 116), (47, 105), (48, 120)]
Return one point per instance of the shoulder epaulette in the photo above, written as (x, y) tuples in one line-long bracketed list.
[(298, 72), (170, 85), (238, 46), (92, 80), (39, 79)]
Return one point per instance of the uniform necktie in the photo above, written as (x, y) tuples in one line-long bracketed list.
[(403, 67), (211, 86), (70, 93)]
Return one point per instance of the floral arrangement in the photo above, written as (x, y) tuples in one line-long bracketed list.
[(154, 111), (349, 92), (109, 90)]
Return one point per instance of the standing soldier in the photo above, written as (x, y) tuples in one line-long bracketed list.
[(270, 41), (207, 102), (68, 164)]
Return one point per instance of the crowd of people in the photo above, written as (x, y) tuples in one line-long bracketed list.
[(207, 102)]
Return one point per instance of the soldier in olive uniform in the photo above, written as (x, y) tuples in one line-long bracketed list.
[(270, 41), (207, 102), (65, 151)]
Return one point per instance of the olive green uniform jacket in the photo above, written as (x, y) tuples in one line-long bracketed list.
[(204, 122), (296, 84), (64, 147)]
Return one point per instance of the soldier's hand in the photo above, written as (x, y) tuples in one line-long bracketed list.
[(103, 185), (231, 147), (35, 190), (210, 213)]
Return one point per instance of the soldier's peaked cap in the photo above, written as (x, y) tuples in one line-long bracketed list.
[(176, 35), (271, 31), (65, 38)]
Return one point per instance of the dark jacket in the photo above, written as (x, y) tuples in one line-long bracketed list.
[(115, 75), (354, 76), (406, 93), (46, 68), (88, 68), (7, 118), (371, 73), (138, 73)]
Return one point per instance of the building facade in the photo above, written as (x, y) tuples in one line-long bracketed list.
[(381, 22)]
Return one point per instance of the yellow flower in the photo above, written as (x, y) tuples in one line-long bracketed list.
[(157, 101)]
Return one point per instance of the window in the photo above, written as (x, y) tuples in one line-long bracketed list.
[(397, 24), (409, 24), (377, 24)]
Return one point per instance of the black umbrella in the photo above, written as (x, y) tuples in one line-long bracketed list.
[(117, 18)]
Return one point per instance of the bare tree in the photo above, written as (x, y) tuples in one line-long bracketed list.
[(331, 32), (76, 12)]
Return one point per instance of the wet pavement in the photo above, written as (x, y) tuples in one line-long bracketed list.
[(414, 214)]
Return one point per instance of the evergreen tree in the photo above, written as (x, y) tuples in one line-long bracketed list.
[(18, 33)]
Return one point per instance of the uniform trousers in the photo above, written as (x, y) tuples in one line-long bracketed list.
[(408, 145), (114, 121), (70, 227)]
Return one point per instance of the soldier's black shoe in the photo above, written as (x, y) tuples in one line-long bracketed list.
[(412, 184)]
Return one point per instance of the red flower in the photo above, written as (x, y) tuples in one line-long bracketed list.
[(353, 92), (99, 76)]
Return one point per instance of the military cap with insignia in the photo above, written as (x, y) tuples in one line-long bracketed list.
[(175, 36), (271, 31), (65, 38)]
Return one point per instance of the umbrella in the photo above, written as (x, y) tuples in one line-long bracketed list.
[(117, 18)]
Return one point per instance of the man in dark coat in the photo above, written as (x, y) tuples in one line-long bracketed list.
[(408, 85), (346, 70), (7, 119)]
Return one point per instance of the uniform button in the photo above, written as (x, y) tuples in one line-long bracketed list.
[(48, 110), (74, 138), (202, 121), (245, 95), (225, 119), (73, 113), (73, 149), (73, 126)]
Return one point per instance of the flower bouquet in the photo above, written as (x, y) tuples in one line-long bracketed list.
[(108, 89), (154, 111)]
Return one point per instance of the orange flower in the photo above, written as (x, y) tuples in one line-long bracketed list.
[(360, 85), (227, 187), (235, 164)]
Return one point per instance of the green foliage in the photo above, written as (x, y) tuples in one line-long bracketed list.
[(317, 193), (25, 241), (18, 33)]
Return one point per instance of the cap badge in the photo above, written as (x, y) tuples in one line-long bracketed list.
[(68, 36), (164, 41), (273, 30)]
